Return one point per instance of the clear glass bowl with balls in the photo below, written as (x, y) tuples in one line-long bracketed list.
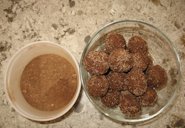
[(163, 53)]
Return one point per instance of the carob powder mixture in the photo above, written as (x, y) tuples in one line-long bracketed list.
[(48, 82)]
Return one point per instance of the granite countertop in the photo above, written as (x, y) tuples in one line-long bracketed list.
[(71, 23)]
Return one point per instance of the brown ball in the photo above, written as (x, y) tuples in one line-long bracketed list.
[(157, 77), (129, 104), (140, 61), (114, 41), (117, 81), (96, 62), (149, 98), (97, 86), (136, 82), (120, 60), (111, 99), (137, 44)]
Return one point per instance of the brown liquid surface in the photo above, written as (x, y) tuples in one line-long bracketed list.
[(48, 82)]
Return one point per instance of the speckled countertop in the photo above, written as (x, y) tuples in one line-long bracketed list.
[(71, 24)]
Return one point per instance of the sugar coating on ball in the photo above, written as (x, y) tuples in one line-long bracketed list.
[(114, 41), (157, 77), (129, 104), (97, 86), (117, 81), (136, 82), (120, 60), (140, 61), (96, 62), (111, 99), (137, 44), (149, 98)]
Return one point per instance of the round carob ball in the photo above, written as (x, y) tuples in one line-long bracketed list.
[(114, 41), (129, 104), (120, 60), (157, 77), (97, 86), (136, 82), (140, 61), (137, 44), (111, 99), (117, 81), (149, 98), (96, 62)]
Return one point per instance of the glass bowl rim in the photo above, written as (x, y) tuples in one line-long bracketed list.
[(171, 100)]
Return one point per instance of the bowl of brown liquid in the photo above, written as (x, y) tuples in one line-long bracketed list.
[(42, 81)]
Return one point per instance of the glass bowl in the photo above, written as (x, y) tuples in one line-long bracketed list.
[(162, 52)]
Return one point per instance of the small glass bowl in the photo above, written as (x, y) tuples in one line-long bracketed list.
[(163, 53)]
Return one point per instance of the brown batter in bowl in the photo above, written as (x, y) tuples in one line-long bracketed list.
[(48, 82)]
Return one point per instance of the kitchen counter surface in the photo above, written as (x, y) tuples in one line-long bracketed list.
[(71, 23)]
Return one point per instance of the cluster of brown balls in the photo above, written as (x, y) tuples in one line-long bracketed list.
[(123, 74)]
